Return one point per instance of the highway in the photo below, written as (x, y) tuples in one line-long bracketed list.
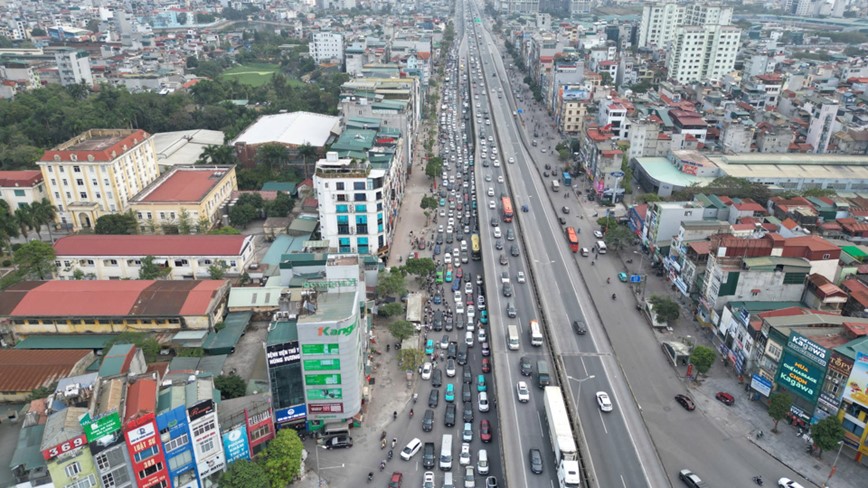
[(648, 438)]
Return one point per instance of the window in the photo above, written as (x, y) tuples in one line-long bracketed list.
[(203, 428), (146, 453), (117, 477), (150, 470), (339, 186), (177, 442), (359, 197), (72, 470), (358, 185), (207, 446), (260, 432), (88, 482), (182, 459), (159, 484), (19, 193), (260, 417)]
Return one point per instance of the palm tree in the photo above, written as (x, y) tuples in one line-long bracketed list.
[(43, 213), (304, 151), (24, 219), (8, 225), (271, 156)]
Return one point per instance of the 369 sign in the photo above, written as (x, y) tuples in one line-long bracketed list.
[(65, 447)]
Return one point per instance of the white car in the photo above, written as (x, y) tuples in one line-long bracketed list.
[(471, 311), (500, 179), (788, 483), (469, 477), (598, 234), (450, 222), (426, 371), (511, 160), (520, 277), (459, 306), (483, 402), (464, 457), (604, 402), (490, 191), (497, 234), (428, 482), (492, 205), (481, 336), (447, 258), (411, 449), (487, 177), (468, 288), (450, 368), (522, 391)]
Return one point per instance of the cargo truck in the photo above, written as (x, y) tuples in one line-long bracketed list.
[(563, 442)]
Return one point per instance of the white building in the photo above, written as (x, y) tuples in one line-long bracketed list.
[(613, 114), (660, 20), (519, 6), (327, 46), (204, 427), (703, 52), (119, 257), (823, 124), (98, 172), (21, 187), (73, 67), (357, 203)]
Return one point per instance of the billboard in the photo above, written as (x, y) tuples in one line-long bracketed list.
[(326, 408), (285, 353), (297, 412), (322, 379), (808, 349), (101, 427), (64, 447), (857, 385), (320, 349), (321, 364), (800, 376), (235, 444)]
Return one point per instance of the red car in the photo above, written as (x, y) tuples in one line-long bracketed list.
[(685, 402), (725, 398), (459, 273), (396, 479), (485, 433), (486, 365)]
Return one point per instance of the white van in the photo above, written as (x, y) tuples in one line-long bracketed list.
[(512, 340), (482, 462), (536, 338), (446, 454), (601, 247), (447, 481)]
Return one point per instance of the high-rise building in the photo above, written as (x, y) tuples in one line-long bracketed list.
[(325, 46), (73, 67), (822, 124), (661, 20), (519, 6), (701, 52)]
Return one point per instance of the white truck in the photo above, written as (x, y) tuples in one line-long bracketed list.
[(566, 453)]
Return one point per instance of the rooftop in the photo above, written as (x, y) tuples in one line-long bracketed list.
[(151, 245), (331, 306), (62, 426), (26, 370), (791, 165), (12, 179), (184, 184), (141, 398), (96, 145), (296, 128)]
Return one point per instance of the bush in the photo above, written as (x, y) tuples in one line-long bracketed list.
[(7, 263)]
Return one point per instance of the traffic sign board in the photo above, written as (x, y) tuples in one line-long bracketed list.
[(521, 110), (617, 174), (635, 278)]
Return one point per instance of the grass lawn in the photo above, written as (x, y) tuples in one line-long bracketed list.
[(255, 74)]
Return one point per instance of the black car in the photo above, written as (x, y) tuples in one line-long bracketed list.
[(536, 461), (468, 412), (448, 323), (565, 209), (503, 260), (462, 354), (480, 290), (507, 290), (510, 235), (434, 398), (438, 320), (468, 375), (510, 311), (428, 455), (449, 418), (466, 393), (436, 378), (579, 327), (494, 221), (562, 220), (439, 238), (428, 420), (498, 244), (452, 350), (339, 442), (525, 366), (513, 250)]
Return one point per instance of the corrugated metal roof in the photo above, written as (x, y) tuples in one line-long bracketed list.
[(27, 453), (26, 370), (150, 245), (254, 296), (141, 398), (62, 426), (294, 128), (281, 332), (224, 341), (65, 341)]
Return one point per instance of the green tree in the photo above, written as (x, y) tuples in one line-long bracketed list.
[(702, 357), (391, 283), (420, 267), (8, 225), (242, 214), (666, 309), (282, 458), (217, 271), (214, 154), (24, 218), (36, 258), (38, 32), (434, 166), (617, 237), (224, 231), (244, 474), (647, 198), (272, 156), (185, 225), (401, 329), (429, 202), (43, 214), (149, 270), (117, 224), (280, 206), (410, 359), (306, 151), (42, 392), (827, 433), (779, 407), (230, 386), (391, 309), (149, 346)]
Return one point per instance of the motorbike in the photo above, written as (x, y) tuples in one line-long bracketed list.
[(613, 296), (758, 480), (370, 477), (382, 465), (389, 455)]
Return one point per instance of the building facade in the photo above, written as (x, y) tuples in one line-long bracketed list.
[(20, 188), (174, 429), (703, 52), (327, 46), (73, 67), (97, 173)]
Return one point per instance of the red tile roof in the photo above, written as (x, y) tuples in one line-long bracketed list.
[(25, 178), (28, 369), (149, 245), (100, 152), (109, 298), (141, 398), (186, 186)]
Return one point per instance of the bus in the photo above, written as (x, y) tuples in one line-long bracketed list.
[(475, 251), (536, 338), (507, 209), (573, 239)]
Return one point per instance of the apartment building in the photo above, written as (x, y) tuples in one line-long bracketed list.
[(327, 46), (73, 67), (97, 173), (703, 52), (822, 125), (22, 187), (660, 20)]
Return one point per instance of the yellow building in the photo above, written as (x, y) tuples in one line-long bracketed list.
[(192, 193), (97, 173)]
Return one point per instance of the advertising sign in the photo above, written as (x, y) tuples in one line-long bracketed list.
[(289, 414), (101, 427), (840, 365), (64, 447), (286, 353), (857, 385), (326, 408), (200, 409), (335, 331), (140, 434), (235, 444), (325, 394), (322, 364), (801, 377), (809, 349), (317, 349), (322, 379), (761, 385)]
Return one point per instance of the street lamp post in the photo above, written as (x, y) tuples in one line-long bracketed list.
[(580, 381), (834, 465)]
